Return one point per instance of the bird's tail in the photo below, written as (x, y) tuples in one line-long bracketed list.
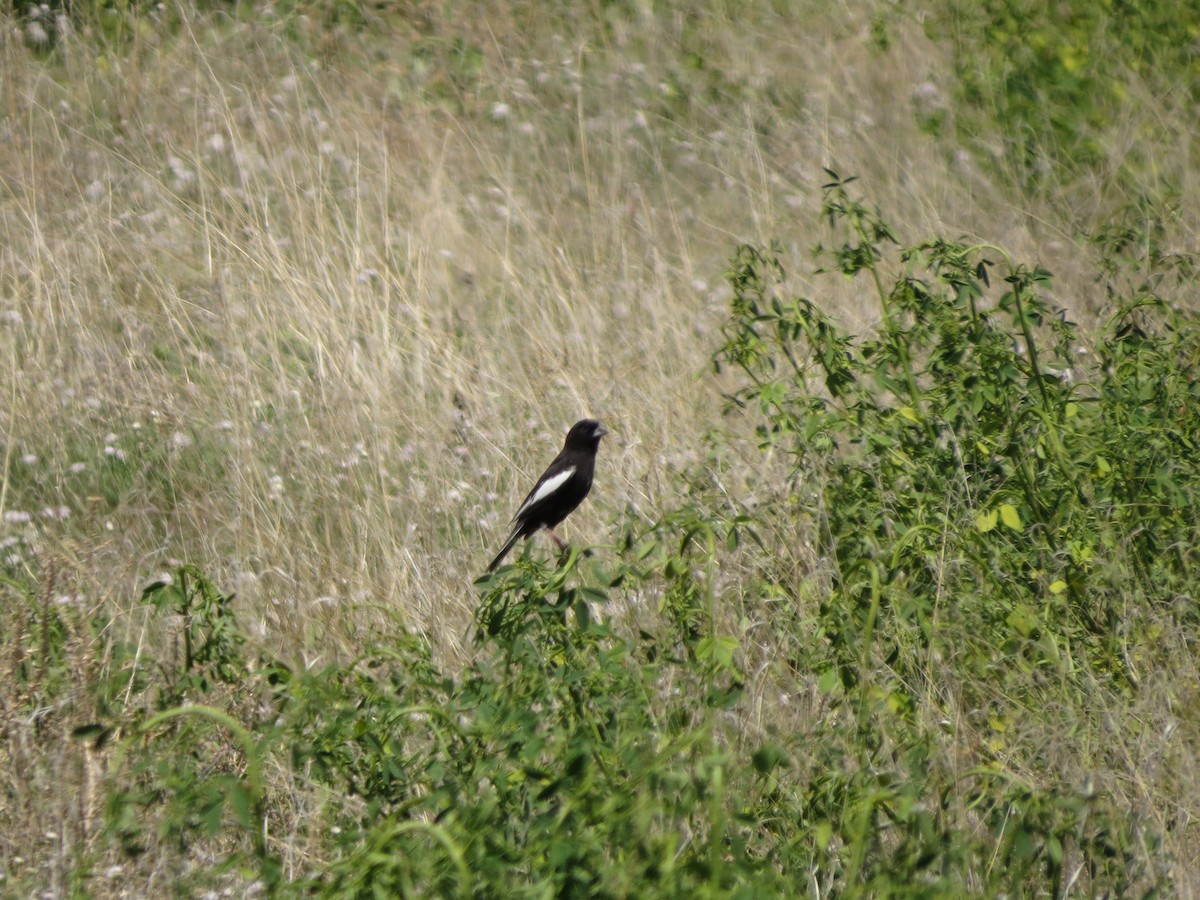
[(508, 545)]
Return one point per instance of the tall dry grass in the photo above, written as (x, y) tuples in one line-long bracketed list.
[(339, 300)]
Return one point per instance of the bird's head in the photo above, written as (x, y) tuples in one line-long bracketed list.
[(586, 433)]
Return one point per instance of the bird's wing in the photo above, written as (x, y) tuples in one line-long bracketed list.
[(545, 488)]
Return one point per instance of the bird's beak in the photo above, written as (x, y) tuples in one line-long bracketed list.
[(601, 431)]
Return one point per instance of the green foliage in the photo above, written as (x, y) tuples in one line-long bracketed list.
[(569, 759), (174, 778), (992, 492), (548, 767), (1051, 80), (212, 644), (976, 431)]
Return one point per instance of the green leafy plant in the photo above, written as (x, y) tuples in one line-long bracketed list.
[(211, 642), (1050, 84), (990, 495)]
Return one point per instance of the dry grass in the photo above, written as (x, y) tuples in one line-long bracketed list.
[(311, 311)]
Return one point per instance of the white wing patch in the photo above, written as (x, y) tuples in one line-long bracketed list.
[(545, 489)]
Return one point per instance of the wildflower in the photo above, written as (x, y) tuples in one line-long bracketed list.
[(179, 169)]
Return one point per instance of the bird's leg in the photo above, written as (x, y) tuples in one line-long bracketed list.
[(562, 545)]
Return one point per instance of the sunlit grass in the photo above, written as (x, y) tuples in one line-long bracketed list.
[(307, 305)]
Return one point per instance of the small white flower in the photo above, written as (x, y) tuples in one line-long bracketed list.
[(179, 440), (500, 111), (926, 90), (179, 169), (76, 468), (29, 459), (16, 517), (11, 317)]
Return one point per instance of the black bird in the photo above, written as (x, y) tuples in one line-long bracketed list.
[(561, 488)]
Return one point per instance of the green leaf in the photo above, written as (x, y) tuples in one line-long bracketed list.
[(769, 757), (823, 834), (239, 805), (593, 595), (1023, 620), (986, 521), (1058, 586), (1010, 517), (1054, 850), (719, 649)]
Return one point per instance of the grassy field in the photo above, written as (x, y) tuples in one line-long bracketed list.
[(296, 301)]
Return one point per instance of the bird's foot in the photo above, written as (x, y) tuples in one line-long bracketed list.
[(562, 545)]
